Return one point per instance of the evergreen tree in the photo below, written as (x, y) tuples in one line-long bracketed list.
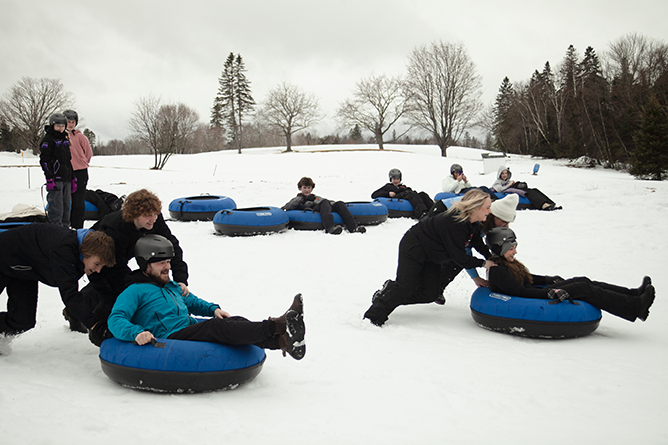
[(234, 99), (92, 138), (650, 159), (9, 138)]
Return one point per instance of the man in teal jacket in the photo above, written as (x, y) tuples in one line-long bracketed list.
[(152, 306)]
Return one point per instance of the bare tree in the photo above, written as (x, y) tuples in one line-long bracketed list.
[(445, 91), (166, 128), (378, 103), (29, 104), (289, 110)]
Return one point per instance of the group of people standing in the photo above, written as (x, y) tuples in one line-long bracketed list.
[(65, 155)]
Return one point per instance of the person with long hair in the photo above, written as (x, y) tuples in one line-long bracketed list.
[(426, 247), (509, 276)]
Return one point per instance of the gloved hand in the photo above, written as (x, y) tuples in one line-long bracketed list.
[(309, 198), (555, 279), (51, 185), (74, 185), (558, 294), (99, 333)]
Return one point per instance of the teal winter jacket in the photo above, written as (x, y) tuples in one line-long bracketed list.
[(161, 310)]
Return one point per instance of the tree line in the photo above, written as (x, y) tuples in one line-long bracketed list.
[(613, 110)]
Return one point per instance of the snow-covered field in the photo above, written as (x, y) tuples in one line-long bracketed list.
[(430, 375)]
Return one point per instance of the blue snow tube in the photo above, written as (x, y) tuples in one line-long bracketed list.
[(523, 203), (91, 212), (368, 213), (199, 208), (397, 208), (5, 226), (533, 317), (250, 221), (180, 366), (309, 220)]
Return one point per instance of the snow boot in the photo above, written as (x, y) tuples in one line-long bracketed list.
[(440, 300), (335, 230), (291, 329), (646, 281), (380, 292), (75, 324), (646, 300), (359, 229)]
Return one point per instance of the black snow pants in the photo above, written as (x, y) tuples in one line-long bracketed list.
[(231, 331), (79, 199), (21, 314), (537, 198), (418, 281), (617, 300), (339, 207)]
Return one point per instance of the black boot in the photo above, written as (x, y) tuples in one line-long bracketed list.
[(291, 329), (75, 324), (646, 300), (646, 281)]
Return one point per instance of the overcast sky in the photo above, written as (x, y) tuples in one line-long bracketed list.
[(111, 53)]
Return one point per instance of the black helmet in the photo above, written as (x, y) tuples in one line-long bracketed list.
[(57, 118), (71, 115), (500, 239), (151, 249), (395, 173), (456, 168)]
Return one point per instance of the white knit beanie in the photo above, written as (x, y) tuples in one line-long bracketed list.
[(505, 208)]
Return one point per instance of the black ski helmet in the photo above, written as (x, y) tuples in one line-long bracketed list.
[(500, 240), (71, 115), (151, 249), (395, 173), (456, 168), (58, 118)]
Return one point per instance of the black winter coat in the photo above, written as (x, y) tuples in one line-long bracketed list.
[(55, 157), (445, 240), (384, 192), (47, 253), (111, 281)]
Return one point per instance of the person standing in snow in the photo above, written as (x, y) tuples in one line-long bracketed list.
[(504, 184), (420, 201), (140, 215), (53, 255), (511, 277), (153, 306), (306, 200), (55, 159), (81, 154), (428, 246)]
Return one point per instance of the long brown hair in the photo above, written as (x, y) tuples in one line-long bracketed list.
[(470, 202), (518, 270)]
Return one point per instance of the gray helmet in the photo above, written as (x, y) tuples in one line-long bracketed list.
[(500, 240), (57, 118), (151, 249), (456, 168), (71, 115), (395, 173)]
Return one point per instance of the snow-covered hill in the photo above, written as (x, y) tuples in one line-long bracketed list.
[(430, 375)]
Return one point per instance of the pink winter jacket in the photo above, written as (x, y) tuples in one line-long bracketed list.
[(80, 150)]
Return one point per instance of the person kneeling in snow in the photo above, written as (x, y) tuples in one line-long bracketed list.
[(152, 306)]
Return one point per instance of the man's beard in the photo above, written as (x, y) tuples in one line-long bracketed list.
[(158, 277)]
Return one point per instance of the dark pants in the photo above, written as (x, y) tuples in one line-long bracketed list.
[(421, 203), (617, 300), (21, 312), (339, 207), (79, 199), (537, 198), (231, 331), (418, 281)]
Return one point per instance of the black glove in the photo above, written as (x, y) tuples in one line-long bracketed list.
[(309, 198), (558, 294), (99, 333), (555, 279)]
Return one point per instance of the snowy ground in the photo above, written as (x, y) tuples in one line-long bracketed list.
[(430, 375)]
